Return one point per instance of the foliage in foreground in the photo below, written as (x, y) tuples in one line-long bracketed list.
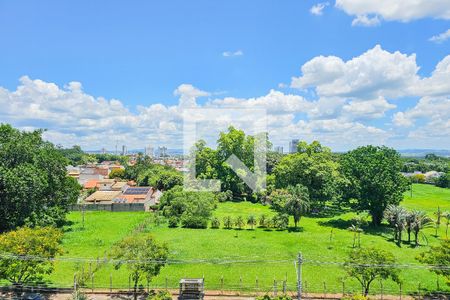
[(142, 256), (368, 264), (438, 257), (160, 295), (34, 188), (28, 243)]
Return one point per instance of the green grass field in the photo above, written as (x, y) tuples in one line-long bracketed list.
[(245, 258)]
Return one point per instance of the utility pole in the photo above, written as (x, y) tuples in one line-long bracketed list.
[(299, 276)]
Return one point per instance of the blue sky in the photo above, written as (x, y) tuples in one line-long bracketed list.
[(140, 52)]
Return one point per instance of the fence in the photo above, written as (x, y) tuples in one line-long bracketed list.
[(255, 277), (114, 207)]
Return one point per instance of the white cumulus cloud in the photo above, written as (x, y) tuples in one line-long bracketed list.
[(440, 38), (395, 10), (232, 53), (317, 9)]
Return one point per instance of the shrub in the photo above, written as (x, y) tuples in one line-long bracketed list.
[(215, 223), (240, 222), (281, 221), (267, 297), (189, 220), (418, 178), (173, 222), (228, 222), (263, 221), (160, 295)]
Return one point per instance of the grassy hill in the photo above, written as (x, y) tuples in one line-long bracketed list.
[(248, 258)]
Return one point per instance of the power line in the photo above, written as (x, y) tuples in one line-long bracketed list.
[(220, 261)]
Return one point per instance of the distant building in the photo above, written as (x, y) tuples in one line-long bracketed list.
[(148, 151), (293, 146), (124, 150), (162, 151), (279, 149)]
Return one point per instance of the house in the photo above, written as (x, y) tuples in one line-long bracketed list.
[(120, 186), (91, 184), (140, 194), (432, 175), (102, 197), (105, 184)]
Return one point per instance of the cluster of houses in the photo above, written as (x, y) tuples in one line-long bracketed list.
[(106, 191), (428, 177)]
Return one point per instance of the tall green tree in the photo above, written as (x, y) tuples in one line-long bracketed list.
[(314, 167), (19, 249), (211, 164), (142, 256), (298, 202), (373, 180), (368, 264), (194, 209), (34, 187)]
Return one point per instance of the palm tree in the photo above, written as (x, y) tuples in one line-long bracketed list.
[(251, 220), (263, 221), (240, 222), (356, 233), (439, 214), (298, 203), (420, 221), (227, 222), (397, 219)]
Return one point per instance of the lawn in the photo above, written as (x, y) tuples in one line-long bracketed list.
[(253, 258)]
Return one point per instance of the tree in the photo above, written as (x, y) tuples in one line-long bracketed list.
[(357, 230), (251, 220), (215, 223), (397, 218), (240, 222), (211, 164), (420, 220), (368, 264), (281, 221), (373, 180), (228, 222), (194, 209), (313, 167), (117, 173), (298, 202), (142, 256), (443, 181), (438, 258), (263, 221), (19, 245), (34, 186)]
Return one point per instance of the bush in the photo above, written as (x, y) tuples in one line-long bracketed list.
[(355, 297), (418, 178), (160, 295), (228, 222), (281, 221), (267, 297), (173, 222), (215, 223), (443, 181), (189, 220)]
